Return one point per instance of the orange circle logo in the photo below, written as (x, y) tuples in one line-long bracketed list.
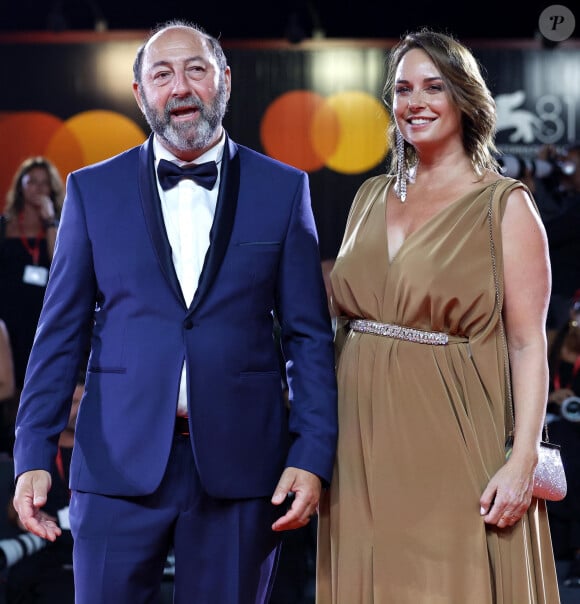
[(345, 132)]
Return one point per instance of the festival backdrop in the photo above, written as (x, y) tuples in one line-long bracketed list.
[(316, 105)]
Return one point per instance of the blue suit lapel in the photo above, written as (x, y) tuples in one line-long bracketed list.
[(223, 223), (154, 217)]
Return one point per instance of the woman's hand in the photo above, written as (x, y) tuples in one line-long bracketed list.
[(44, 206), (508, 494)]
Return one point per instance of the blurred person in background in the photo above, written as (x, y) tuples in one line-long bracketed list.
[(6, 364), (27, 235), (564, 430)]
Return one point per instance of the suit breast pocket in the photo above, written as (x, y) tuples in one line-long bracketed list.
[(260, 246), (257, 256)]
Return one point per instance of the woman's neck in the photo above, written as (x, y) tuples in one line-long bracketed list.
[(29, 221)]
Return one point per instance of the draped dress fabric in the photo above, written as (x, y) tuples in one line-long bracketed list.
[(422, 427)]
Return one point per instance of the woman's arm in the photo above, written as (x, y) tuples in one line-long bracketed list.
[(6, 364), (527, 283), (527, 290)]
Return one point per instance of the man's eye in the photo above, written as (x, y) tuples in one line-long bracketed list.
[(197, 72), (162, 75)]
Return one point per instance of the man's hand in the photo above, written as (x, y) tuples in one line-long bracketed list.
[(306, 488), (31, 492)]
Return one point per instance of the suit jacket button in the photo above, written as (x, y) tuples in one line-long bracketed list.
[(188, 324)]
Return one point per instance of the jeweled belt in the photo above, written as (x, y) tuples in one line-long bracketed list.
[(437, 338)]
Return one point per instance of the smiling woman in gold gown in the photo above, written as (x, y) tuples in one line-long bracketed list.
[(423, 508)]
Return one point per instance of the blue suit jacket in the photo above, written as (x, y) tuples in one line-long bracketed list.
[(113, 282)]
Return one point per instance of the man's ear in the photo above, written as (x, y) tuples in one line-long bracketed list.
[(137, 95), (228, 80)]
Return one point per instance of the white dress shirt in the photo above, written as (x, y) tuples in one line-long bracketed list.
[(188, 211)]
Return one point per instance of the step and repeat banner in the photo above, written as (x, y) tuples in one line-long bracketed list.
[(315, 105)]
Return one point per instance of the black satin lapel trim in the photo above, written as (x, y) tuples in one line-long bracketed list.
[(154, 216), (223, 224)]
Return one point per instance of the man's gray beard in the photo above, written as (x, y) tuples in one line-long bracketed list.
[(185, 136)]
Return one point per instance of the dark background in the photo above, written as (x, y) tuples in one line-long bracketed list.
[(293, 20)]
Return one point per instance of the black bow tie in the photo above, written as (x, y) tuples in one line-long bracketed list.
[(170, 174)]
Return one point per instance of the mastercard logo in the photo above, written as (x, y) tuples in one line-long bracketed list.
[(70, 144), (345, 132)]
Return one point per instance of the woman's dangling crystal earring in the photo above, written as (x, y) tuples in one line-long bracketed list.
[(402, 172)]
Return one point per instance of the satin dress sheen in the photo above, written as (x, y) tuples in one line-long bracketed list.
[(422, 427)]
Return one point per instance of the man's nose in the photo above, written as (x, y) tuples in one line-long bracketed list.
[(180, 84)]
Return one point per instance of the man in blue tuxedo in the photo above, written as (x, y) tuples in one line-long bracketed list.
[(183, 438)]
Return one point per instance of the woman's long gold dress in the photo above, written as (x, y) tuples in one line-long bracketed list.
[(422, 427)]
